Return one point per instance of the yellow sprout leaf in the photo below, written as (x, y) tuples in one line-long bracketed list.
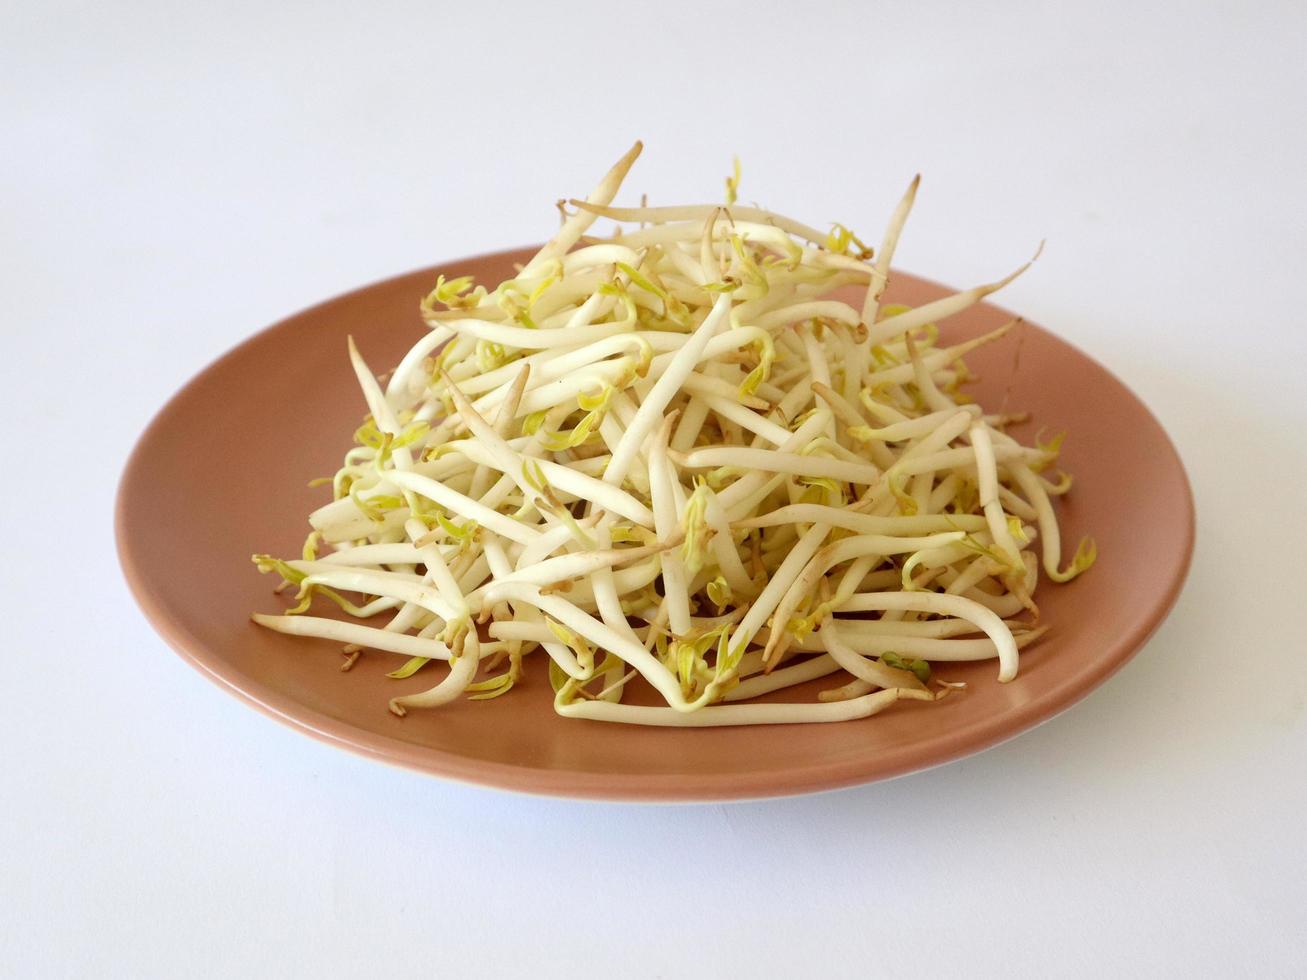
[(491, 355), (572, 641), (453, 294), (266, 564), (644, 282), (1050, 449), (369, 435), (907, 503), (766, 357), (1017, 530), (733, 182), (410, 667), (694, 552), (1086, 555), (531, 424), (719, 591), (840, 238), (920, 668), (492, 687), (597, 402), (533, 475), (558, 678), (310, 550)]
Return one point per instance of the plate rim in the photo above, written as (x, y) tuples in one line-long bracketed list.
[(610, 787)]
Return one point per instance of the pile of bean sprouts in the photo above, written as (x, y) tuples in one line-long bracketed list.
[(672, 454)]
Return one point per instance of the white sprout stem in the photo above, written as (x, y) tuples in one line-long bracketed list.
[(650, 413), (575, 565), (854, 576), (528, 616), (606, 638), (389, 584), (928, 628), (399, 553), (744, 488), (1043, 508), (752, 232), (516, 466), (723, 547), (570, 481), (690, 424), (961, 457), (778, 680), (940, 309), (818, 367), (1011, 502), (772, 594), (377, 606), (853, 689), (865, 523), (935, 361), (1003, 606), (914, 428), (526, 338), (401, 385), (987, 469), (408, 617), (364, 636), (464, 506), (549, 365), (437, 569), (524, 632), (787, 315), (739, 714), (934, 649), (947, 605), (746, 419), (889, 243), (776, 462), (860, 546), (461, 673), (544, 546), (577, 224), (605, 590), (869, 671), (664, 506), (702, 212), (969, 577), (372, 393), (505, 415)]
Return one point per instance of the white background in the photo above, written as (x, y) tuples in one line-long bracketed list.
[(173, 177)]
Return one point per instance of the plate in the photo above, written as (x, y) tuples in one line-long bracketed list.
[(222, 473)]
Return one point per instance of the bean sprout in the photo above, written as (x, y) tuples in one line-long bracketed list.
[(677, 454)]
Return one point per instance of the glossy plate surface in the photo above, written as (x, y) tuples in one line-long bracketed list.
[(221, 473)]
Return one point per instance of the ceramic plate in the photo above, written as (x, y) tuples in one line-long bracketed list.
[(221, 473)]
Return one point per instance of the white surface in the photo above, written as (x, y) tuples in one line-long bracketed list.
[(173, 179)]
